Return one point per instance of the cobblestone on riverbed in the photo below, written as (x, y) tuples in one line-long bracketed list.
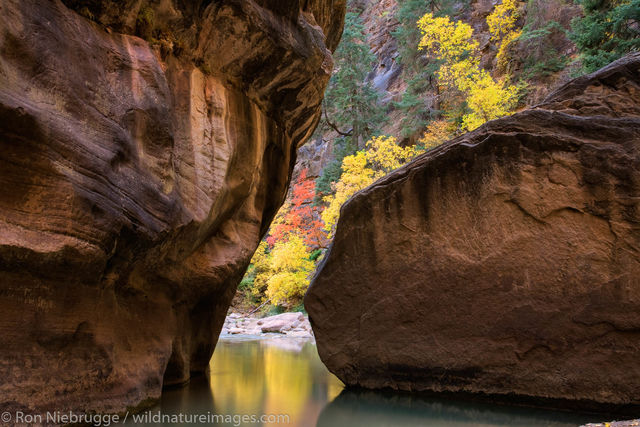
[(615, 424), (294, 325)]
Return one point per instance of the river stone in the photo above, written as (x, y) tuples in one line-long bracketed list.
[(280, 322), (505, 262), (299, 334), (627, 423)]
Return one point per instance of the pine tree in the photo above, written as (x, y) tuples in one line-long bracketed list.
[(608, 30), (351, 102)]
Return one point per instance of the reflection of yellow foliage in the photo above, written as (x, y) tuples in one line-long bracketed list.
[(288, 382), (261, 378), (237, 385), (334, 388)]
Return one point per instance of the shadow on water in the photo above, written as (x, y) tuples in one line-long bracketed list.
[(356, 407), (183, 400), (282, 376)]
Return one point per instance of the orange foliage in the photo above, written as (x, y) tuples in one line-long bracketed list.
[(300, 216)]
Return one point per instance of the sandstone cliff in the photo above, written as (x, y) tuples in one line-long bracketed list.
[(505, 262), (138, 177)]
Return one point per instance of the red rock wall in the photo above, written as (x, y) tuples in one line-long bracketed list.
[(137, 182), (505, 262)]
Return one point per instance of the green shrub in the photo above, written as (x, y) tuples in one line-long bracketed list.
[(315, 254), (145, 22)]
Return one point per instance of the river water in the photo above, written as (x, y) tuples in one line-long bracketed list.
[(254, 377)]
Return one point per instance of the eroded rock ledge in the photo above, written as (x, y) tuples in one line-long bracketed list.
[(505, 262), (137, 179)]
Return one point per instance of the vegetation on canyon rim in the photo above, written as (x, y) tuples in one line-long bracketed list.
[(450, 88)]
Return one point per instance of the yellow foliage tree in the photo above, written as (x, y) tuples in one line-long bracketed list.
[(502, 20), (355, 176), (384, 154), (437, 132), (289, 269), (487, 99), (450, 40), (502, 26), (360, 170), (261, 262), (453, 44)]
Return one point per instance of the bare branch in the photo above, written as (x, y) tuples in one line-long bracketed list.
[(333, 126)]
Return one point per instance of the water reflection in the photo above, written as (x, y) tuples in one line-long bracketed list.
[(356, 408), (248, 376), (275, 376), (281, 376)]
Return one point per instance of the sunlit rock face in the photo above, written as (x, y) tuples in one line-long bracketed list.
[(505, 262), (137, 179)]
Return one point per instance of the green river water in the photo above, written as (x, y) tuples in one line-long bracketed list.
[(273, 377)]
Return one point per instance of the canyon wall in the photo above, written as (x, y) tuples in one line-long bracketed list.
[(505, 262), (145, 148)]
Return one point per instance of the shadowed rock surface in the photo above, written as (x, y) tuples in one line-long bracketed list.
[(505, 262), (137, 179)]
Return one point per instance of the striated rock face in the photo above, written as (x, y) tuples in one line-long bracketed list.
[(505, 262), (137, 179)]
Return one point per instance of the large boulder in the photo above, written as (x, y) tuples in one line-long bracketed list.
[(145, 147), (505, 262)]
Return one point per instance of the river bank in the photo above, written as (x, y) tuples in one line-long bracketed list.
[(629, 423), (293, 325)]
